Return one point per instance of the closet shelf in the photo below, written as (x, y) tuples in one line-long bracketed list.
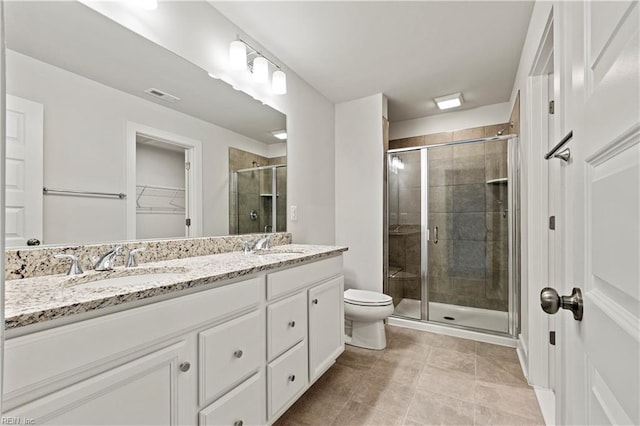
[(160, 199)]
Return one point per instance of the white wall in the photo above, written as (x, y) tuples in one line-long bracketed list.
[(85, 149), (199, 33), (533, 320), (359, 189), (450, 121)]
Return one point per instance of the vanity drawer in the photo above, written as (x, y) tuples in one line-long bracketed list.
[(229, 353), (287, 376), (287, 324), (289, 280), (243, 405)]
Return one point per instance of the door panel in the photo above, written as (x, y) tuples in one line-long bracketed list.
[(24, 130), (601, 374)]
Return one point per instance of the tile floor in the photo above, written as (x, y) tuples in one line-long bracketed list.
[(420, 379)]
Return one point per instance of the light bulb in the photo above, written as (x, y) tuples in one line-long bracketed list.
[(260, 70), (279, 83), (238, 55)]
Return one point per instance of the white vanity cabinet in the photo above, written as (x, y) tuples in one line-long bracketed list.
[(148, 390), (237, 354), (305, 331)]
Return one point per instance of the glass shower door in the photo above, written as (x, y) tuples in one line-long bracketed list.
[(468, 246), (404, 278)]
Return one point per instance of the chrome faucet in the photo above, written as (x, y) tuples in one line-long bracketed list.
[(75, 268), (105, 263), (263, 243), (246, 247)]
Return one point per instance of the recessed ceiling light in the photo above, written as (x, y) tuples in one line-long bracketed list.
[(280, 134), (449, 101)]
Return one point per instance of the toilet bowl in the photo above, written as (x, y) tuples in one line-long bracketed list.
[(364, 313)]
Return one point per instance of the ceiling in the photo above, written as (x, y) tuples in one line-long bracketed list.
[(72, 36), (410, 51)]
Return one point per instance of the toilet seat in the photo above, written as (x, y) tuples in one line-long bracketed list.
[(366, 298)]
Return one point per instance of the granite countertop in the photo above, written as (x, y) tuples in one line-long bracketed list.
[(39, 299)]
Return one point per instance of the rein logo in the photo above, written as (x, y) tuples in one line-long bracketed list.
[(17, 421)]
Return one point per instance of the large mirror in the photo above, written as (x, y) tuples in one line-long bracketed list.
[(111, 137)]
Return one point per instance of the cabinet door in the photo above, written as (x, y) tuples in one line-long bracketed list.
[(146, 391), (326, 326)]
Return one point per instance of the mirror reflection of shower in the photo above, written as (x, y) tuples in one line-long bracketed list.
[(257, 193)]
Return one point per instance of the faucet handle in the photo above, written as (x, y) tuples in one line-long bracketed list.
[(75, 268), (246, 247), (131, 260)]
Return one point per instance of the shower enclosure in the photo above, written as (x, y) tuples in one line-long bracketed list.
[(451, 246), (258, 200)]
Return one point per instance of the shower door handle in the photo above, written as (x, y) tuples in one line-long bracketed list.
[(435, 235)]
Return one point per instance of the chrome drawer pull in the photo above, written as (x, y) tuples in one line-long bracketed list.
[(292, 378), (292, 324), (184, 367), (238, 423), (238, 353), (314, 301)]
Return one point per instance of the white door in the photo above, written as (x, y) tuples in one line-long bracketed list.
[(600, 372), (24, 130)]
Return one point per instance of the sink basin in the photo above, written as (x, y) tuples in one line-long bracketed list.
[(272, 251), (121, 281)]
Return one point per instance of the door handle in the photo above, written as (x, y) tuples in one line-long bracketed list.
[(435, 235), (551, 302)]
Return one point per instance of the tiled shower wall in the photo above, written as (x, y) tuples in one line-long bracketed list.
[(251, 185), (469, 264)]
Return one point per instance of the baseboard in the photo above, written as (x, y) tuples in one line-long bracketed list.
[(455, 332), (547, 402), (523, 356)]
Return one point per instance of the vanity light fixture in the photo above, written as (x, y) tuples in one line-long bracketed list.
[(449, 101), (280, 134), (238, 55), (260, 70), (279, 83), (243, 56)]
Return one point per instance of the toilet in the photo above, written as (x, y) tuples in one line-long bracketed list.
[(364, 313)]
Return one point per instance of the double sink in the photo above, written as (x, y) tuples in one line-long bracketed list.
[(145, 276)]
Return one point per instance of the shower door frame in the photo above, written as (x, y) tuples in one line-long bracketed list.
[(513, 207)]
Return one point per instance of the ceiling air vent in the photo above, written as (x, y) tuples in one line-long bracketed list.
[(162, 95)]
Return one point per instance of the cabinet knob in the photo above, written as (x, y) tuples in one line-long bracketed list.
[(185, 366), (238, 353), (292, 378), (292, 324), (314, 301), (238, 423)]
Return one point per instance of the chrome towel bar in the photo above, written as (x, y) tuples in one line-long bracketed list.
[(51, 191), (555, 149)]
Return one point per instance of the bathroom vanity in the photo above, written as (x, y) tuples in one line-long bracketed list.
[(234, 339)]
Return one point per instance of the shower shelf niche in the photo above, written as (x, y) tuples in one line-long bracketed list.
[(497, 181)]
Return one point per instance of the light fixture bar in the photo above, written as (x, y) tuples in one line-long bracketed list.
[(257, 52)]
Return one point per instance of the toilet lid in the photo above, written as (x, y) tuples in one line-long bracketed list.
[(367, 298)]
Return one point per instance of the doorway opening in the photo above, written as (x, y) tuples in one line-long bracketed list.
[(164, 173)]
